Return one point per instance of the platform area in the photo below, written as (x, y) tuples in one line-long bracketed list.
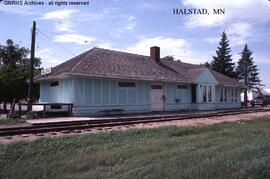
[(59, 119), (137, 116)]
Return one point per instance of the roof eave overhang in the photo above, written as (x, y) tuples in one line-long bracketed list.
[(50, 78), (230, 85), (70, 74)]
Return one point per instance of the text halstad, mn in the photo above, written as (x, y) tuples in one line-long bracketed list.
[(194, 11)]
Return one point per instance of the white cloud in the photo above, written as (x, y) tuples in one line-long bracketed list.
[(238, 10), (44, 51), (261, 59), (105, 45), (147, 6), (177, 47), (169, 46), (53, 61), (119, 24), (74, 38), (239, 33), (206, 20), (15, 10), (100, 15), (236, 57), (63, 19), (212, 40), (130, 24), (59, 14), (215, 3), (48, 58), (65, 26)]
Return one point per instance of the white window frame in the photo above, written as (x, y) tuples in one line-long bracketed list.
[(235, 95), (232, 95), (223, 97), (204, 93), (207, 87)]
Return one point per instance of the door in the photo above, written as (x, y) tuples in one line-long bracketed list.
[(157, 102)]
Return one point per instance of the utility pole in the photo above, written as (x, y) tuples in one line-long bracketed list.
[(31, 81)]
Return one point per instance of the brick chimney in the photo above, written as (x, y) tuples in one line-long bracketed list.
[(155, 53)]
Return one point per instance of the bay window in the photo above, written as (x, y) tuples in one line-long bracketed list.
[(223, 94), (209, 93), (234, 94), (206, 93)]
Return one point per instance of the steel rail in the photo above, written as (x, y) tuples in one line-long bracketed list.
[(122, 121)]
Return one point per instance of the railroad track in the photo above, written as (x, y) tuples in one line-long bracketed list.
[(118, 121)]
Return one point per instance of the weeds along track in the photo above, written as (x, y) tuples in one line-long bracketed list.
[(118, 121)]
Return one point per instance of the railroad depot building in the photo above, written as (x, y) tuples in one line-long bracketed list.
[(101, 79)]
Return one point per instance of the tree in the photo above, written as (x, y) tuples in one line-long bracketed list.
[(206, 64), (14, 71), (247, 71), (168, 57), (222, 62)]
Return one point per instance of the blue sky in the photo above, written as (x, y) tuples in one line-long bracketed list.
[(134, 26)]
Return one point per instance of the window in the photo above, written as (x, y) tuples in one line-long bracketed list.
[(232, 95), (182, 87), (235, 94), (156, 86), (54, 83), (225, 94), (221, 94), (194, 94), (204, 94), (126, 84), (209, 93)]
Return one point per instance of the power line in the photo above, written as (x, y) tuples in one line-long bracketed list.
[(55, 33), (56, 42), (49, 31)]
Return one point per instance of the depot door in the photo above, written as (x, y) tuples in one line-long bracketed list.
[(157, 101)]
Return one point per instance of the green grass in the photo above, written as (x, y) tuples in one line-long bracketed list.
[(11, 121), (227, 150)]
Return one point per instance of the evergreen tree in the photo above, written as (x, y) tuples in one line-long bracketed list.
[(247, 71), (222, 62)]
